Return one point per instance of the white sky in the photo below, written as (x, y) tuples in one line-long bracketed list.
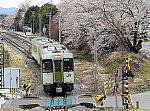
[(14, 3)]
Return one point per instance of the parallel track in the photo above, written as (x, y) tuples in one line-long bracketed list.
[(19, 42), (19, 37)]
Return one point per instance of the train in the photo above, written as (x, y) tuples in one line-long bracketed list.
[(56, 65)]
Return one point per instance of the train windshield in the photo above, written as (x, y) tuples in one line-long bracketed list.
[(68, 64), (47, 66)]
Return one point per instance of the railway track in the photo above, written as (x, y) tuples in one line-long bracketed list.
[(22, 43), (18, 41), (24, 39)]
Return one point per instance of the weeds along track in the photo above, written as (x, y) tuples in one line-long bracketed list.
[(20, 42)]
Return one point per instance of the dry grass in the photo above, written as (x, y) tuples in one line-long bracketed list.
[(83, 73), (107, 66), (17, 61)]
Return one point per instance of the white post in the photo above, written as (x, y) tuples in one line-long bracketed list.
[(51, 2), (59, 29), (0, 102), (44, 30), (95, 61)]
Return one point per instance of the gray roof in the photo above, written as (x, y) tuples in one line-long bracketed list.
[(54, 47), (50, 46)]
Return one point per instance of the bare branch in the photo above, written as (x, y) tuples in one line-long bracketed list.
[(24, 5)]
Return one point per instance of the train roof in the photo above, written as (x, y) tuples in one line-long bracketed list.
[(48, 46), (53, 48), (43, 40)]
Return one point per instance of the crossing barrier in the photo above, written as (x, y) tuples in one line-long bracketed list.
[(109, 86), (101, 99)]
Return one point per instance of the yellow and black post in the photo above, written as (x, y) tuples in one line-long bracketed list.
[(28, 88), (101, 99), (125, 93), (126, 73), (128, 63), (1, 65)]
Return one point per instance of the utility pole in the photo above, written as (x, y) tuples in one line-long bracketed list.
[(49, 15), (14, 26), (23, 25), (33, 21), (50, 1), (115, 90), (40, 25), (95, 62), (59, 28)]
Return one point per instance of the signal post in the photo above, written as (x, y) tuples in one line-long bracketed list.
[(1, 71), (126, 73)]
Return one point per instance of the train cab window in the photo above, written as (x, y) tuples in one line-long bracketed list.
[(47, 66), (68, 64), (57, 65)]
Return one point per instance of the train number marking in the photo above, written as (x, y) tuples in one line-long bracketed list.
[(68, 75)]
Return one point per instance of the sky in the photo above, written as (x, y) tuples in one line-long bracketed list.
[(14, 3)]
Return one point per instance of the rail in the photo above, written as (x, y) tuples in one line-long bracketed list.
[(19, 43)]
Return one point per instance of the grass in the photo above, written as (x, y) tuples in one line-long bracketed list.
[(116, 60), (113, 62), (140, 67), (83, 53), (145, 70), (6, 59)]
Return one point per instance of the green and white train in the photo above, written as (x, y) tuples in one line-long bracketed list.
[(56, 62)]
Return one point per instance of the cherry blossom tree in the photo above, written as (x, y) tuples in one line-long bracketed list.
[(117, 23)]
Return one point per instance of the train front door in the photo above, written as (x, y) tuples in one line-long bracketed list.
[(58, 70)]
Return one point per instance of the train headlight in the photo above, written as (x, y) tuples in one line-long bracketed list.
[(57, 56)]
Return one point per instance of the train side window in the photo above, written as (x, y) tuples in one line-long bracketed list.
[(47, 66), (35, 48), (68, 64)]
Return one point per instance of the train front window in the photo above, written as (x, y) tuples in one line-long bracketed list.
[(68, 64), (47, 66), (57, 65)]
